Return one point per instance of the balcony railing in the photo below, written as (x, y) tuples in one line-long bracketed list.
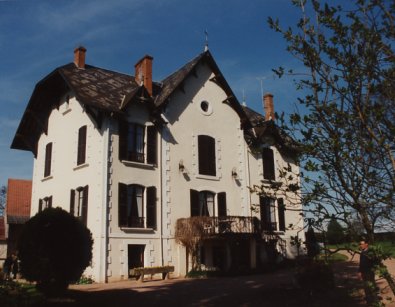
[(207, 226)]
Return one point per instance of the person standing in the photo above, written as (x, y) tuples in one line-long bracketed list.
[(366, 273), (7, 267)]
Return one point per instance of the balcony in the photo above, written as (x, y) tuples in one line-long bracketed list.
[(206, 226)]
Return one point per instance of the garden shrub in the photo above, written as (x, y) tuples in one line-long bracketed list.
[(54, 250)]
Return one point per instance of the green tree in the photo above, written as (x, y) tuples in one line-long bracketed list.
[(346, 118), (335, 232), (54, 250), (3, 199)]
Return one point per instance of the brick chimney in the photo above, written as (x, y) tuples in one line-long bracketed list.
[(143, 72), (79, 57), (268, 106)]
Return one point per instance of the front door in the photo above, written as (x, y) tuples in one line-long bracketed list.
[(135, 256)]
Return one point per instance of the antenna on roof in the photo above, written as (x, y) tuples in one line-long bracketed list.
[(261, 80), (206, 44), (244, 99)]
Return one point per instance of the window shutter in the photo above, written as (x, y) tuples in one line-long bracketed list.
[(81, 152), (151, 207), (40, 205), (84, 209), (264, 202), (123, 139), (268, 164), (206, 152), (122, 205), (50, 202), (151, 145), (48, 158), (281, 214), (222, 204), (194, 203), (72, 199)]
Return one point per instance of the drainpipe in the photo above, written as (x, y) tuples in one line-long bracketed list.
[(161, 194), (104, 230)]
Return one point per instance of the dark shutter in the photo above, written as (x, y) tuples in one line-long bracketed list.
[(81, 145), (84, 209), (50, 202), (264, 202), (222, 204), (72, 199), (194, 203), (48, 158), (40, 205), (151, 145), (281, 214), (268, 164), (122, 205), (123, 139), (206, 152), (151, 207)]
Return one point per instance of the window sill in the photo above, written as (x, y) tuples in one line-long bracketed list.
[(135, 229), (47, 178), (138, 164), (68, 110), (271, 182), (80, 166), (207, 177)]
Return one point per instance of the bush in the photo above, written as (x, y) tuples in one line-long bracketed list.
[(54, 250)]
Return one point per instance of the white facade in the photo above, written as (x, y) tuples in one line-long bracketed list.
[(198, 109)]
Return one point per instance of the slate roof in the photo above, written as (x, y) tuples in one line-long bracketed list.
[(19, 194), (102, 90), (2, 229), (263, 128)]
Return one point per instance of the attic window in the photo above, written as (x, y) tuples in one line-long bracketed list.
[(206, 108)]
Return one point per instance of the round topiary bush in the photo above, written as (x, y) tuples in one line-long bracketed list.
[(54, 250)]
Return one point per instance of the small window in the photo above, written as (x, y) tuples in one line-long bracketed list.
[(206, 107), (79, 203), (81, 151), (268, 164), (48, 159), (206, 155), (44, 203)]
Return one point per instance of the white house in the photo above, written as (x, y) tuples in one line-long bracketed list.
[(133, 158)]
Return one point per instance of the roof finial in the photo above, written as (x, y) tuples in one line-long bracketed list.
[(244, 99), (206, 44)]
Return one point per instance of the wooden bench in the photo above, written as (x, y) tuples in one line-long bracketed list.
[(140, 272)]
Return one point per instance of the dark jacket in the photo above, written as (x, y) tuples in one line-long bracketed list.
[(366, 263)]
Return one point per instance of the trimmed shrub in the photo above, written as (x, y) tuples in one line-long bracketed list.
[(54, 250)]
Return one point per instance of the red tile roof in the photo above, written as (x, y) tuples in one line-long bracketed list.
[(2, 229), (19, 196)]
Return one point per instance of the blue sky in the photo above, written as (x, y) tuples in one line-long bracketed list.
[(36, 36)]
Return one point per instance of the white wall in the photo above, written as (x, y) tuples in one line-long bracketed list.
[(63, 125)]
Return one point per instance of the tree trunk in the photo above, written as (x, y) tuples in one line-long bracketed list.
[(367, 224)]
